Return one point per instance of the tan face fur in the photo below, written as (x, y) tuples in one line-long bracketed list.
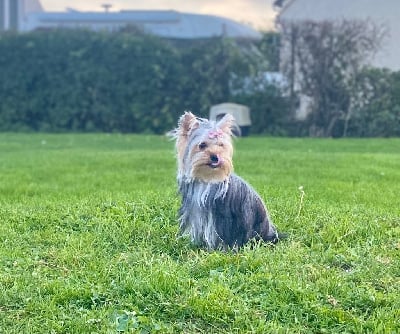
[(204, 148), (212, 159)]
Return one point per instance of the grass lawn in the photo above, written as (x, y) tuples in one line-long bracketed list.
[(88, 239)]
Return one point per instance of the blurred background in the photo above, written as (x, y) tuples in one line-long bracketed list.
[(321, 68)]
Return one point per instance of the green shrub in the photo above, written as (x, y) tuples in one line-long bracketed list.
[(380, 115), (127, 81), (81, 80)]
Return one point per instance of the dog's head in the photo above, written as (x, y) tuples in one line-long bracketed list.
[(204, 148)]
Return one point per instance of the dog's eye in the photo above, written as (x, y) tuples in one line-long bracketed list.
[(221, 144), (202, 145)]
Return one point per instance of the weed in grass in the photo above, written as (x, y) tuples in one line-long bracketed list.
[(302, 194)]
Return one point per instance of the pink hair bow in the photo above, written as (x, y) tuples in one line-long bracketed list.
[(215, 134)]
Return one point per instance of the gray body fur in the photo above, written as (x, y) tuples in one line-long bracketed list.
[(228, 213)]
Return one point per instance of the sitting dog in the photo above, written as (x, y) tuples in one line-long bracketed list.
[(219, 210)]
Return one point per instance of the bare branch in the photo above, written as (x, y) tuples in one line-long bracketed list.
[(323, 60)]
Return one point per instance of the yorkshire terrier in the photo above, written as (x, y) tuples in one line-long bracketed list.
[(219, 210)]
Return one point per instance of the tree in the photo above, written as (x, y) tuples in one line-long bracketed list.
[(269, 47), (322, 61), (379, 115)]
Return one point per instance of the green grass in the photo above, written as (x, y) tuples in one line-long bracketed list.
[(88, 239)]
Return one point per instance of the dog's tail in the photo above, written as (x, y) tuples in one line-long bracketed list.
[(282, 236), (276, 237)]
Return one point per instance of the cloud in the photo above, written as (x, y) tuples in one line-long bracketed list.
[(257, 13)]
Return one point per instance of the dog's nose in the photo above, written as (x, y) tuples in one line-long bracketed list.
[(214, 158)]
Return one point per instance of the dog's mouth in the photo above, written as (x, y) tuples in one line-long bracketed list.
[(215, 161), (214, 165)]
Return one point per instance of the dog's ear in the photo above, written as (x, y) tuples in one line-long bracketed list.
[(187, 123), (227, 123)]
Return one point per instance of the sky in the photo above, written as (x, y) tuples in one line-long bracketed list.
[(257, 13)]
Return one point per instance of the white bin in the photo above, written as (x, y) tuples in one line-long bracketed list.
[(240, 112)]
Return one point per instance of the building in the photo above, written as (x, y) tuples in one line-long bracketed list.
[(14, 13), (28, 15), (385, 13)]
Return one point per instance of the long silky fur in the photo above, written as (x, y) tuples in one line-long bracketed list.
[(216, 215), (226, 214)]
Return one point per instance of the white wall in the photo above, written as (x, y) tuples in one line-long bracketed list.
[(385, 12), (25, 7)]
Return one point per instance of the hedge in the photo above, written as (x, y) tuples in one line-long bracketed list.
[(129, 81)]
